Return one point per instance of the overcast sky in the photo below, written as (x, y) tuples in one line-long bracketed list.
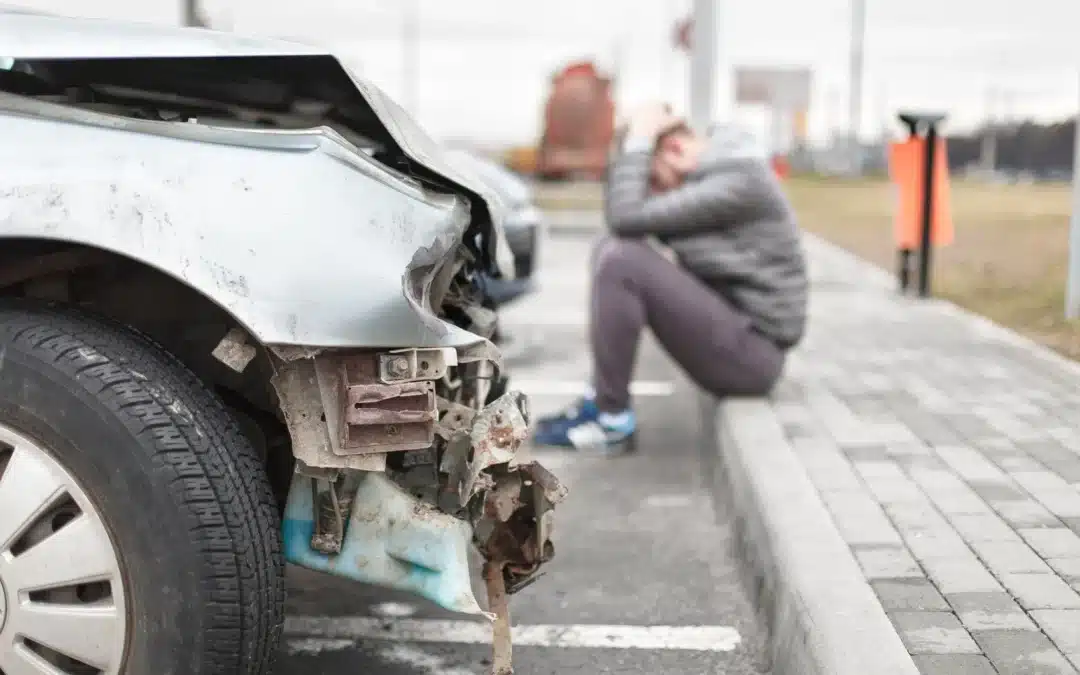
[(483, 65)]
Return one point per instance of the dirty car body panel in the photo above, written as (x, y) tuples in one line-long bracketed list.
[(303, 202)]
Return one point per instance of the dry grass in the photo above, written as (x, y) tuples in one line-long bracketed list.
[(1008, 261)]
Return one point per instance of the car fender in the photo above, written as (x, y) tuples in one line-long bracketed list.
[(303, 239)]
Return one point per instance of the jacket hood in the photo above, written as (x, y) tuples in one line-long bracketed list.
[(728, 144)]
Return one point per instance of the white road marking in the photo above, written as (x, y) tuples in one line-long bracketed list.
[(393, 610), (575, 387), (687, 638), (316, 646)]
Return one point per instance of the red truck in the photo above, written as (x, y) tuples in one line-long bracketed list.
[(579, 123)]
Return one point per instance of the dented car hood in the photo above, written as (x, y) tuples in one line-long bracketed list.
[(31, 35)]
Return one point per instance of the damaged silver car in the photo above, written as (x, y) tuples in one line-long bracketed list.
[(241, 325)]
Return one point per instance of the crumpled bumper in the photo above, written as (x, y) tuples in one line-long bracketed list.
[(490, 498)]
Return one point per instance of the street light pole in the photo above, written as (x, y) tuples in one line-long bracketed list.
[(703, 58), (1072, 289), (858, 58)]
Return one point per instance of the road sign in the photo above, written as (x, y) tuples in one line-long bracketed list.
[(786, 89)]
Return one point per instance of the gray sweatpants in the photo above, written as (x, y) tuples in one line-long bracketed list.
[(635, 286)]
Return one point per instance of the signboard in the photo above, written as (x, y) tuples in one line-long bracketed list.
[(785, 89)]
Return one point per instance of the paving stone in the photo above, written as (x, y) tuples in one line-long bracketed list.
[(1072, 523), (888, 483), (859, 518), (1018, 463), (982, 527), (917, 517), (1062, 626), (1046, 451), (1040, 481), (962, 574), (887, 562), (828, 469), (909, 595), (953, 664), (1010, 557), (1064, 503), (1022, 652), (1025, 513), (1052, 542), (911, 461), (972, 465), (904, 452), (1069, 568), (990, 611), (1075, 660), (866, 453), (1041, 591), (933, 633), (996, 492), (939, 544), (960, 500), (1068, 469)]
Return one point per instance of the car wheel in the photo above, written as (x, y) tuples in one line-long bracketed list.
[(138, 533)]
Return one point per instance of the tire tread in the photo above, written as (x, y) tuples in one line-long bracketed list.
[(216, 474)]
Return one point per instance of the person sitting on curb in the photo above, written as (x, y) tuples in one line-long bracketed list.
[(729, 307)]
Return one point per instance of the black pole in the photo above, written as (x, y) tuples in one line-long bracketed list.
[(926, 243), (904, 269)]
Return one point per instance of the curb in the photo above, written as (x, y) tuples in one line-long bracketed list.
[(822, 616)]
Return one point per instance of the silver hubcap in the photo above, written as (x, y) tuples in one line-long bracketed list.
[(61, 593)]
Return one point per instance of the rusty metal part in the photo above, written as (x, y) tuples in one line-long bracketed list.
[(235, 350), (514, 521), (517, 522), (453, 418), (380, 417), (333, 504), (340, 413), (304, 386), (502, 648), (414, 365), (497, 433)]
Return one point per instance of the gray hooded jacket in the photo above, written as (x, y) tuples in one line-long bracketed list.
[(729, 224)]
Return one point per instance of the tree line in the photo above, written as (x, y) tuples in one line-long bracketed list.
[(1026, 146)]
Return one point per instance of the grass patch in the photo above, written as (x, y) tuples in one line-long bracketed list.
[(1008, 261)]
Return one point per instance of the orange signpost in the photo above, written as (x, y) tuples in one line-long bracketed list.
[(919, 169)]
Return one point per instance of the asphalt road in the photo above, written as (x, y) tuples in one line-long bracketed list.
[(638, 540)]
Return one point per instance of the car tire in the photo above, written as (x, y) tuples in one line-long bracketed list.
[(182, 495)]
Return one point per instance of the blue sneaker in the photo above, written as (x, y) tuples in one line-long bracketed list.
[(581, 426)]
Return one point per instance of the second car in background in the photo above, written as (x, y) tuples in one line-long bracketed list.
[(523, 226)]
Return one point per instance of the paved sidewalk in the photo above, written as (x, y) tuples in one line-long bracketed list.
[(947, 451)]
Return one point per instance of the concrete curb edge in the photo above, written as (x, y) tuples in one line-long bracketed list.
[(822, 616)]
